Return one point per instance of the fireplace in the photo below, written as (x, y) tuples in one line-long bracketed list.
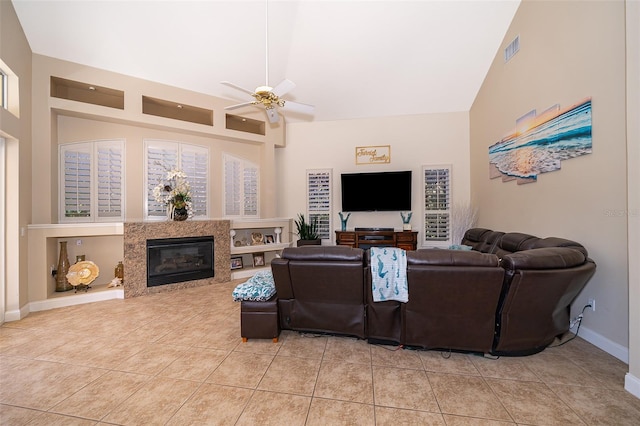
[(174, 260)]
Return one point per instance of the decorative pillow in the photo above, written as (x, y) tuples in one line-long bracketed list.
[(258, 288), (459, 247)]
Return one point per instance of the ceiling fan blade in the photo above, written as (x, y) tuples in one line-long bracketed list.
[(272, 115), (235, 86), (284, 87), (298, 107), (244, 104)]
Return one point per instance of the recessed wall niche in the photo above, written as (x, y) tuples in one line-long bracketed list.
[(243, 124), (177, 111), (86, 92)]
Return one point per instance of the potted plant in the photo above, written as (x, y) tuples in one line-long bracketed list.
[(307, 231)]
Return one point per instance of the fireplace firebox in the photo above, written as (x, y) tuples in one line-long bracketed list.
[(174, 260)]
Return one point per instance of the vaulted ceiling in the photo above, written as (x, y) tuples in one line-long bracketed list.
[(351, 59)]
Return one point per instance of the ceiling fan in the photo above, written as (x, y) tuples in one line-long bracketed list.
[(267, 96)]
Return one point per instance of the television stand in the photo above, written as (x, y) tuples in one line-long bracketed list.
[(365, 238)]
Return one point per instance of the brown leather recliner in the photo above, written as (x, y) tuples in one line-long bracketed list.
[(453, 297), (321, 289), (540, 284)]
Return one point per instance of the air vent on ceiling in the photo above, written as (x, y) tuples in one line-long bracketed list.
[(512, 49)]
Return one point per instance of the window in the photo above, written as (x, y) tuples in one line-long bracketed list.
[(319, 200), (193, 160), (437, 205), (241, 187), (91, 181)]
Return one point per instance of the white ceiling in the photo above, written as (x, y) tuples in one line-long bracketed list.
[(351, 59)]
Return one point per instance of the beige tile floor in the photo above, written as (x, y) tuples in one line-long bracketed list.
[(177, 359)]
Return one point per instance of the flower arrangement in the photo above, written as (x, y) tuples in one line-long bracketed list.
[(175, 192)]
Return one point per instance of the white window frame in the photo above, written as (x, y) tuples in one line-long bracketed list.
[(174, 156), (240, 187), (93, 150), (436, 204), (4, 88), (319, 200)]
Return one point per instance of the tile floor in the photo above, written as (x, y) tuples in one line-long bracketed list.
[(177, 359)]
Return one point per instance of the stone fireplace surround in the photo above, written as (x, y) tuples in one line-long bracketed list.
[(136, 235)]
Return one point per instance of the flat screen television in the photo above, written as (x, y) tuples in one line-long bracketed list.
[(381, 191)]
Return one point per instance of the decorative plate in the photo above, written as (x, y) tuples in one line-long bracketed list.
[(83, 272)]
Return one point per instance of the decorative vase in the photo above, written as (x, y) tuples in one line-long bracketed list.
[(62, 284), (344, 220), (119, 271), (180, 214)]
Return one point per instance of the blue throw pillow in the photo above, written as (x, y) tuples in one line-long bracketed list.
[(258, 288)]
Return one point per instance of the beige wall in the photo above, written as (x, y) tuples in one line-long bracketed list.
[(568, 51), (72, 129), (632, 381), (15, 127), (415, 140), (61, 120)]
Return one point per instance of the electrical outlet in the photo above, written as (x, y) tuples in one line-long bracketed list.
[(592, 302), (78, 242)]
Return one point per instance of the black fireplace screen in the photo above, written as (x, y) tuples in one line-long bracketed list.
[(173, 260)]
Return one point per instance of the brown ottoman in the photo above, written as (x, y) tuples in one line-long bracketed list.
[(259, 320)]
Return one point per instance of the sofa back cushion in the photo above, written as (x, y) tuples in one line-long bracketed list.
[(481, 239), (554, 242), (512, 242)]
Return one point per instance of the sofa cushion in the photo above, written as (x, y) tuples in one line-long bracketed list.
[(328, 253), (556, 242), (544, 258), (442, 257)]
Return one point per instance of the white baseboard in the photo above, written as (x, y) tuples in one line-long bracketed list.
[(612, 348), (76, 299), (632, 385), (16, 314), (61, 302)]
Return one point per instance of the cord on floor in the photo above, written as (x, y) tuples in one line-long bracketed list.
[(579, 322)]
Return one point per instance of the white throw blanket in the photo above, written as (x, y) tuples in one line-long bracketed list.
[(389, 274)]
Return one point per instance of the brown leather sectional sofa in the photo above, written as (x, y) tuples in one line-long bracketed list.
[(509, 295)]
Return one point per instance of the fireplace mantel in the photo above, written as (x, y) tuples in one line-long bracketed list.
[(136, 235)]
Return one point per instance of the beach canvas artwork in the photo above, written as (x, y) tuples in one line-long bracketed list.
[(540, 142)]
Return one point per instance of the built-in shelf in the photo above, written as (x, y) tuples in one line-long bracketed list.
[(243, 124), (176, 111), (242, 230), (87, 93)]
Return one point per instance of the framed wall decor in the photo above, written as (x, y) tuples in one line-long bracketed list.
[(236, 263), (379, 154), (258, 259)]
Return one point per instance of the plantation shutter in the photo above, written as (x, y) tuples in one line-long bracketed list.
[(250, 185), (194, 162), (109, 177), (161, 156), (91, 181), (319, 200), (241, 187), (232, 188), (437, 205), (76, 180)]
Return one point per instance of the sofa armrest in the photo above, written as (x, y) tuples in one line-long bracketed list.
[(282, 278), (544, 258), (441, 257)]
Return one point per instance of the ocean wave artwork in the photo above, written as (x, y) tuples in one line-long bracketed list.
[(541, 142)]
